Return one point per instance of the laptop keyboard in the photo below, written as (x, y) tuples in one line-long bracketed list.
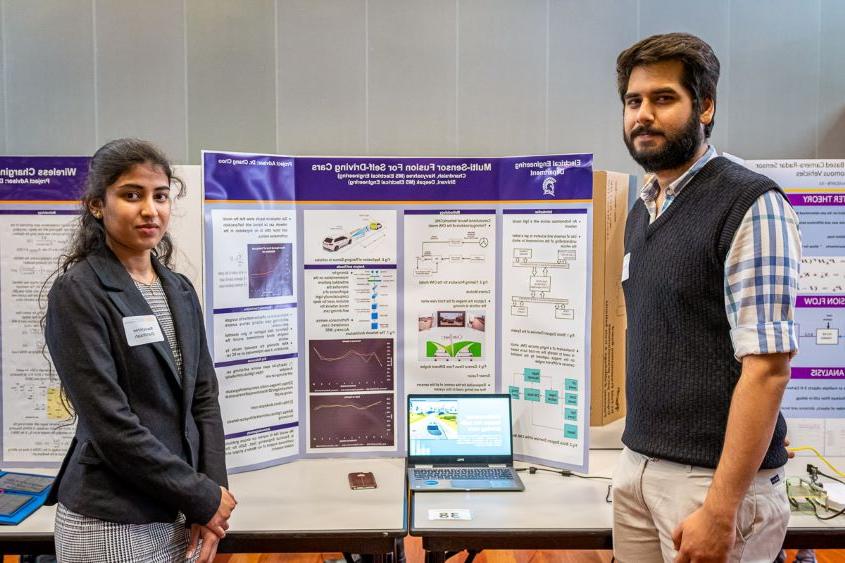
[(463, 473)]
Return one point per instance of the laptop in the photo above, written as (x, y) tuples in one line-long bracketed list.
[(461, 443)]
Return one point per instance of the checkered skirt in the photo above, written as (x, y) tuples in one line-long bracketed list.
[(83, 539)]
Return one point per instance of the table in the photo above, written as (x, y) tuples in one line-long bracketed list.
[(307, 506), (303, 506), (556, 512), (553, 512)]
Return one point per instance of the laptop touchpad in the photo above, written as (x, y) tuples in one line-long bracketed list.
[(468, 483)]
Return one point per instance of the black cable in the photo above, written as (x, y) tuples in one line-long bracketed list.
[(830, 477), (567, 473), (829, 517), (563, 472), (591, 477)]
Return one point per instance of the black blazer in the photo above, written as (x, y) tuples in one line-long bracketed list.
[(146, 445)]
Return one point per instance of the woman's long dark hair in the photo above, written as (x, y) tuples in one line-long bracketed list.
[(109, 163)]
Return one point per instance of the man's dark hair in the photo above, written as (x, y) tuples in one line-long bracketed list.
[(701, 67)]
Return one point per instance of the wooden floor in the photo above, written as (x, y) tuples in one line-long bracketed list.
[(414, 554)]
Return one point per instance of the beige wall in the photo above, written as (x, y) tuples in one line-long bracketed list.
[(379, 77)]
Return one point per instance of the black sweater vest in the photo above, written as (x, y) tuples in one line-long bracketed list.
[(681, 370)]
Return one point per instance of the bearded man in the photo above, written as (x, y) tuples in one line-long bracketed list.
[(710, 275)]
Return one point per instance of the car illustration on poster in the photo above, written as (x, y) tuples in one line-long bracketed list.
[(333, 244)]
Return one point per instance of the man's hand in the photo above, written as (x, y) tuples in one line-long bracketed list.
[(708, 534), (789, 453), (219, 523), (704, 537), (209, 544)]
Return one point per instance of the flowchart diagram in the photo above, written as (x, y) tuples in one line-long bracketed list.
[(827, 336), (540, 282), (535, 391), (459, 251), (820, 336)]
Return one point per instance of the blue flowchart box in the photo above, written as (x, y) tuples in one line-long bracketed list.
[(531, 374)]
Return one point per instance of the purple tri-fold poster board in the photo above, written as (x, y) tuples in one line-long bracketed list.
[(336, 286)]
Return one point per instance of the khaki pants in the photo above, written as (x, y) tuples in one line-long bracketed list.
[(652, 496)]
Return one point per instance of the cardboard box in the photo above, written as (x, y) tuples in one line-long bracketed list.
[(607, 358)]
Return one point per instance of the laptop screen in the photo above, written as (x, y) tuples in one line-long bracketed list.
[(456, 425)]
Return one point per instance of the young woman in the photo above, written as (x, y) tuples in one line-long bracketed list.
[(126, 336)]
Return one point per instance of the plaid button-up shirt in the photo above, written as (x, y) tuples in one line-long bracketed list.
[(761, 268)]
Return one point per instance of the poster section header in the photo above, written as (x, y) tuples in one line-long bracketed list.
[(262, 178), (247, 177), (564, 177), (42, 178), (816, 199)]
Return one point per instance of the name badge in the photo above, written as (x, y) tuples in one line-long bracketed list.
[(625, 263), (142, 329)]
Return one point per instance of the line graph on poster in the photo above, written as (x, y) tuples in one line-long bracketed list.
[(270, 270), (351, 420), (350, 365)]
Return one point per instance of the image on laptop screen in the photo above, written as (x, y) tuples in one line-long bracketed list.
[(464, 426)]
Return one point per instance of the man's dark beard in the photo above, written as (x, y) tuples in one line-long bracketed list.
[(677, 150)]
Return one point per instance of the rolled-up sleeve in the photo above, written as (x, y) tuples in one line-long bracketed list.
[(761, 279)]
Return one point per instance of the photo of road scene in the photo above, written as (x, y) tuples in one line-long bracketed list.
[(434, 420), (451, 336)]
